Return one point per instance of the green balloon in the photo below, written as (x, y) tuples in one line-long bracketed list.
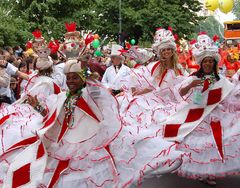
[(98, 53), (133, 41), (96, 43)]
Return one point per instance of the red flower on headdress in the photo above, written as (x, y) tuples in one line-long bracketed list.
[(158, 28), (202, 33), (193, 41), (54, 46), (176, 37), (170, 28), (215, 38), (71, 27), (37, 34), (123, 51), (29, 44), (128, 45), (89, 39)]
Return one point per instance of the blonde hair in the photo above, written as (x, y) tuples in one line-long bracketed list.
[(173, 66)]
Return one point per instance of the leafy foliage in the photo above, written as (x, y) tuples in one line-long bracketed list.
[(236, 9), (211, 26), (139, 17)]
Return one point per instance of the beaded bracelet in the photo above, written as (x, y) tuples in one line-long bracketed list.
[(39, 108)]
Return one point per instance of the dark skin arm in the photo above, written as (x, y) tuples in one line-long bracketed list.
[(186, 89), (33, 101)]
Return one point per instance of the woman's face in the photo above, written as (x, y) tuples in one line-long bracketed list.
[(166, 53), (74, 82), (23, 69), (208, 65)]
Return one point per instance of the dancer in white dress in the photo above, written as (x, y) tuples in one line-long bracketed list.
[(208, 124)]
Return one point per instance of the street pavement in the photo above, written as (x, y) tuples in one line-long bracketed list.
[(173, 181)]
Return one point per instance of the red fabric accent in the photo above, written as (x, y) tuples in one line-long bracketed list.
[(29, 81), (64, 127), (5, 118), (40, 151), (154, 67), (171, 130), (23, 143), (21, 176), (61, 167), (206, 85), (180, 72), (136, 66), (45, 118), (162, 77), (50, 120), (81, 103), (57, 89), (214, 96), (194, 115), (109, 152), (217, 133)]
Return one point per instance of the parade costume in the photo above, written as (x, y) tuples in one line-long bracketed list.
[(69, 147), (137, 151), (208, 124), (144, 110), (21, 120)]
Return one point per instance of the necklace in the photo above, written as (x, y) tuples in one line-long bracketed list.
[(69, 106), (211, 80)]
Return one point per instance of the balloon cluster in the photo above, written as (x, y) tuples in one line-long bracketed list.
[(96, 44), (224, 6)]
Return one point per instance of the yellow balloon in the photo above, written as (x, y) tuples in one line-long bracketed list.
[(211, 4), (226, 6)]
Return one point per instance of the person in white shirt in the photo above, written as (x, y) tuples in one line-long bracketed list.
[(10, 70), (4, 78), (112, 78), (58, 76)]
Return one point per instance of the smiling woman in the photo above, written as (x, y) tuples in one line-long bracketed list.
[(209, 117)]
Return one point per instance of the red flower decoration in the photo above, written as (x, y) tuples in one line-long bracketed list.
[(73, 44), (54, 46), (176, 37), (202, 33), (70, 27), (37, 34), (193, 42), (29, 45), (128, 45), (89, 39), (170, 28), (215, 38)]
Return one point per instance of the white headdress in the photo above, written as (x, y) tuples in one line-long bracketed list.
[(44, 61), (117, 50), (140, 55), (163, 39), (205, 47)]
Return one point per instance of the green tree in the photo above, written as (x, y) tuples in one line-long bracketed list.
[(211, 26), (13, 30), (140, 18), (236, 9)]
